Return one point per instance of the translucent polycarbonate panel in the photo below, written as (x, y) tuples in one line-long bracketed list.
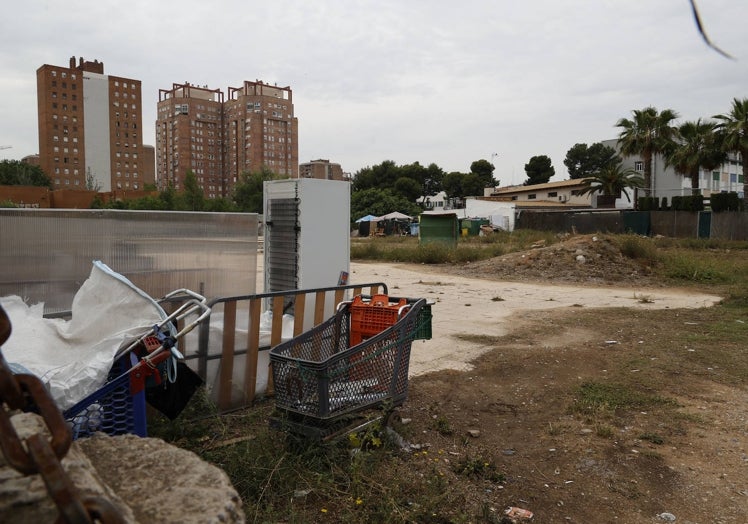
[(47, 254)]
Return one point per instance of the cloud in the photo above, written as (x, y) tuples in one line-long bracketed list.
[(423, 80)]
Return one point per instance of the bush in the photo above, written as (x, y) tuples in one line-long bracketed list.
[(638, 248), (648, 203), (726, 202), (688, 203)]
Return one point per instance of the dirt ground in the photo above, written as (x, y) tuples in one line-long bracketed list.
[(495, 384)]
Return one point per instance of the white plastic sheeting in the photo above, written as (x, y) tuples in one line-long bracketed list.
[(241, 334), (73, 358)]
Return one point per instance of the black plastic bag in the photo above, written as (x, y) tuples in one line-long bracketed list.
[(170, 398)]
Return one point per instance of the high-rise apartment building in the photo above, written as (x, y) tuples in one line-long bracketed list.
[(322, 169), (189, 131), (90, 128), (219, 139)]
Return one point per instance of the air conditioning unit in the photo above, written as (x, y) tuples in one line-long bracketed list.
[(563, 198)]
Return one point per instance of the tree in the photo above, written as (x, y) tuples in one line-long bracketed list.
[(472, 185), (168, 197), (484, 170), (194, 198), (582, 161), (219, 205), (432, 181), (460, 185), (380, 176), (378, 202), (539, 170), (91, 183), (248, 191), (648, 133), (17, 173), (732, 130), (408, 188), (612, 180), (452, 184), (696, 147)]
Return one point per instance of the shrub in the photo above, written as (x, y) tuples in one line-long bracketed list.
[(726, 202), (638, 248), (688, 203)]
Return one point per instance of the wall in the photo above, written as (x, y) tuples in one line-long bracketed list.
[(583, 222), (72, 199), (678, 224), (27, 196), (730, 225), (41, 197)]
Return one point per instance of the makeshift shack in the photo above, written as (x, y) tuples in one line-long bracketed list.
[(443, 228)]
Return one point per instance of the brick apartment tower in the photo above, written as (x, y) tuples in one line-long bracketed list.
[(322, 169), (219, 139), (90, 122), (189, 130)]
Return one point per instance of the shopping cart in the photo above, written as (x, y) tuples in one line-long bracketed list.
[(324, 384), (118, 407)]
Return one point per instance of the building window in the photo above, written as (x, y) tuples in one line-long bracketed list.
[(531, 196), (639, 166), (552, 194)]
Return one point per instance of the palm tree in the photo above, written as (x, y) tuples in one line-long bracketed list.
[(733, 133), (696, 147), (648, 133), (612, 180)]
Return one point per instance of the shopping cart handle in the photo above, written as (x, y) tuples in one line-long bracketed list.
[(183, 292)]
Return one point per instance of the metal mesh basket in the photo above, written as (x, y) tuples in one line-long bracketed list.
[(112, 409), (317, 375)]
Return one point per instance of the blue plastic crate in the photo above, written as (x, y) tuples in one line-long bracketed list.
[(111, 409)]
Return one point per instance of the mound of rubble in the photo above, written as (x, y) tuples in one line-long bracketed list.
[(591, 259)]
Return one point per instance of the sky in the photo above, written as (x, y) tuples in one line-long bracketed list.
[(429, 81)]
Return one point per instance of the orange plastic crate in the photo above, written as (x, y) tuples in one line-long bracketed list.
[(373, 316)]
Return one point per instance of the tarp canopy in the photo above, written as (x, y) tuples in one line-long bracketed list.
[(395, 215), (367, 218)]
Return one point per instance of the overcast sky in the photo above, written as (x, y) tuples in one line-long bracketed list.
[(404, 80)]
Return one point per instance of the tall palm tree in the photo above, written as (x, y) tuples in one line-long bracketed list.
[(732, 129), (696, 147), (612, 180), (648, 133)]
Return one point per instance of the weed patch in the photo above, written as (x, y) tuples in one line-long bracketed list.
[(595, 397)]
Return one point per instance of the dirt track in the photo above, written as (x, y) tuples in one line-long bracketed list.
[(472, 306)]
